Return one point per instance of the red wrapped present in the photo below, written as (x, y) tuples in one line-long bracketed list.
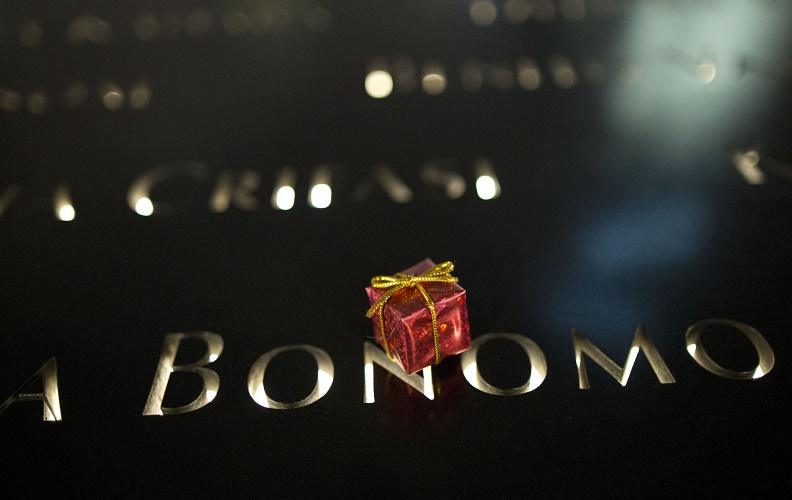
[(423, 313)]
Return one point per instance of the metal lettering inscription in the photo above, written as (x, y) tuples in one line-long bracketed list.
[(240, 193), (139, 194), (211, 381), (324, 377), (535, 356), (695, 347), (8, 196), (48, 373), (641, 341), (373, 354)]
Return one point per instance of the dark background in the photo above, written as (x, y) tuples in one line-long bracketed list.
[(620, 206)]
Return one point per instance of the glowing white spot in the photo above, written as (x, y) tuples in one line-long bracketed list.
[(260, 396), (210, 395), (321, 196), (368, 371), (483, 12), (284, 198), (427, 377), (628, 366), (379, 84), (486, 187), (758, 373), (324, 380), (213, 357), (691, 348), (144, 207), (705, 71), (66, 213), (535, 380), (470, 373)]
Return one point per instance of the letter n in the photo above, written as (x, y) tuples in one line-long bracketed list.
[(373, 354)]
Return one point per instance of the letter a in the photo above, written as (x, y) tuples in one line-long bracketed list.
[(48, 374)]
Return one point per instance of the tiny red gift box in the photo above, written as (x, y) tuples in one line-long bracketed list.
[(408, 322)]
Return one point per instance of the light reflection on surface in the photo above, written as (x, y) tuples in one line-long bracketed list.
[(544, 11), (528, 75), (747, 163), (433, 81), (140, 95), (487, 185), (573, 10), (10, 100), (705, 71), (112, 97), (517, 11), (198, 22), (37, 103), (66, 213), (30, 34), (483, 12), (324, 377), (535, 357), (146, 27), (283, 194), (320, 195), (564, 74), (75, 95), (144, 206), (379, 84), (471, 76), (284, 198)]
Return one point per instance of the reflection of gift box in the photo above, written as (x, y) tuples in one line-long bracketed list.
[(402, 306)]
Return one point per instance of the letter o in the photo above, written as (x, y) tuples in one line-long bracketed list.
[(324, 377), (695, 347), (535, 356)]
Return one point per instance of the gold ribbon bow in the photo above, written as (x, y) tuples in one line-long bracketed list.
[(440, 273)]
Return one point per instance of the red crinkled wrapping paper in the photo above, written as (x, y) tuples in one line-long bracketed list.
[(409, 322)]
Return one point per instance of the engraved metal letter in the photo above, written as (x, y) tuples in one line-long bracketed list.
[(324, 377), (373, 354), (240, 193), (535, 356), (641, 341), (139, 194), (49, 379), (211, 381), (696, 349), (8, 196)]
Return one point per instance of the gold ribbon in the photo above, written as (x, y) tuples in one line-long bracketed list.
[(440, 273)]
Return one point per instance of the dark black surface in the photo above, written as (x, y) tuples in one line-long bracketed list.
[(620, 206)]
